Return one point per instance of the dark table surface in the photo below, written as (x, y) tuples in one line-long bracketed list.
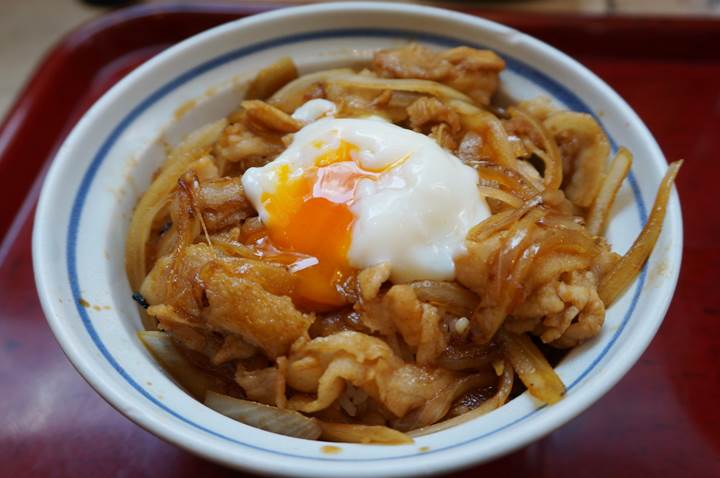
[(662, 419)]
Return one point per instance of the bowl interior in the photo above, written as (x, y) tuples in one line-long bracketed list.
[(108, 160)]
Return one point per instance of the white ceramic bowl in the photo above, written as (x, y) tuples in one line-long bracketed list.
[(107, 161)]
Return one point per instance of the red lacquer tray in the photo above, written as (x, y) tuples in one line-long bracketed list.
[(662, 419)]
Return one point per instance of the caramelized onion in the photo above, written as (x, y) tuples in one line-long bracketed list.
[(271, 78), (291, 96), (496, 401), (628, 267), (191, 378), (531, 366), (495, 138), (512, 201), (585, 169), (427, 87), (370, 434), (506, 177), (550, 155), (155, 198), (437, 407), (265, 417), (468, 356), (512, 265), (600, 210), (450, 296)]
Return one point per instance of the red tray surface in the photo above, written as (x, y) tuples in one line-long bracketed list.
[(662, 419)]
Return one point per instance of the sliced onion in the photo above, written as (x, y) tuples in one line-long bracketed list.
[(291, 96), (265, 417), (370, 434), (190, 377), (509, 178), (447, 295), (568, 241), (531, 366), (468, 356), (628, 267), (494, 136), (600, 210), (465, 107), (400, 84), (438, 406), (496, 401), (559, 221), (550, 155), (511, 267), (586, 172), (513, 201), (271, 78), (495, 223), (155, 198)]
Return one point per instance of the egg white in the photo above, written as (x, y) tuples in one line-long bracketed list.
[(414, 216)]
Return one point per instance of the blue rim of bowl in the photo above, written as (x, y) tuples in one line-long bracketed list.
[(572, 101)]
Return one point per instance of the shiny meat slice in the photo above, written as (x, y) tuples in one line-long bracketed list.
[(270, 117), (371, 279), (239, 144), (266, 385), (232, 348), (274, 278), (584, 314), (584, 148), (222, 203), (427, 111), (473, 72), (443, 136), (419, 324), (243, 307), (173, 279), (321, 367)]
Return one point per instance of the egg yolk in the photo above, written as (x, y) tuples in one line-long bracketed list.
[(309, 224)]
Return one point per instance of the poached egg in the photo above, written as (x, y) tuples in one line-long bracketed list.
[(352, 193)]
